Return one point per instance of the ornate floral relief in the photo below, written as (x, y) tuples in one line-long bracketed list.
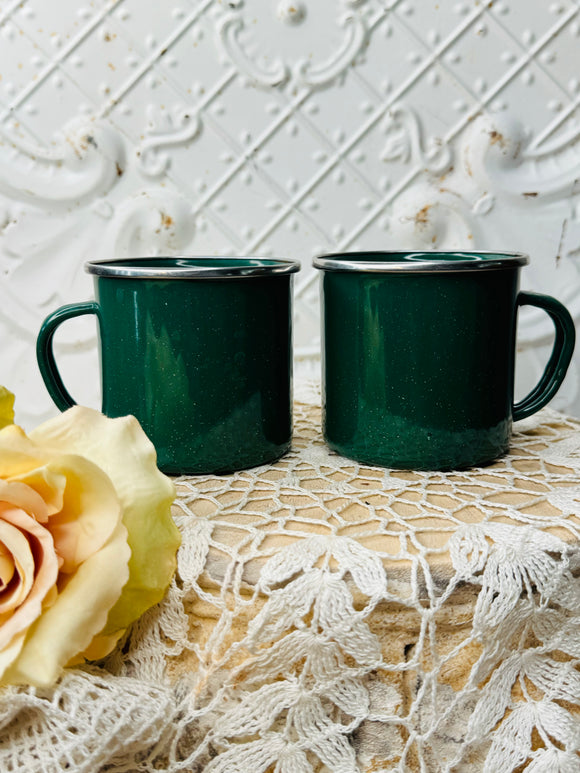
[(152, 222), (354, 38), (87, 163), (160, 217), (300, 53), (45, 248), (164, 130), (229, 29), (430, 213), (532, 191), (501, 193), (404, 142), (498, 150), (426, 217)]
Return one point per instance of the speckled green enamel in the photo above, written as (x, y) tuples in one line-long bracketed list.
[(418, 368), (204, 364)]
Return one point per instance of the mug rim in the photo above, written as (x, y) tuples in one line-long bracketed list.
[(247, 267), (418, 262)]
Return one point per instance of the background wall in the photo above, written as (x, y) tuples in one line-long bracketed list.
[(280, 128)]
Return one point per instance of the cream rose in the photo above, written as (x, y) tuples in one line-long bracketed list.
[(87, 542)]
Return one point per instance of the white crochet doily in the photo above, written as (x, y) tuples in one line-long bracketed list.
[(329, 616)]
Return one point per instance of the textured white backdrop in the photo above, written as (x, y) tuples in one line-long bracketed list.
[(280, 128)]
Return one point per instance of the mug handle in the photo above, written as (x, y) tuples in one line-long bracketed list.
[(45, 354), (560, 357)]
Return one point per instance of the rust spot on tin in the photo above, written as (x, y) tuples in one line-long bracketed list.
[(531, 194), (119, 169), (466, 163), (166, 220), (422, 218), (496, 138)]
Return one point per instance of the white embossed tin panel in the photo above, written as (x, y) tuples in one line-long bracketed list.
[(280, 128)]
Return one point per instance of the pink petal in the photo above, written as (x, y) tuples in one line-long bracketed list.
[(46, 565)]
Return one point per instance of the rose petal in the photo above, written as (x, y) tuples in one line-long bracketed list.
[(26, 498), (90, 508), (6, 407), (98, 648), (37, 566), (121, 448), (77, 615), (9, 654), (32, 551), (48, 484), (18, 547), (18, 454), (7, 567)]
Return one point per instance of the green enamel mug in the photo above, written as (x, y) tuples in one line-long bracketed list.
[(198, 349), (418, 356)]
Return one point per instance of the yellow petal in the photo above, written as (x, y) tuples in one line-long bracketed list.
[(48, 484), (9, 654), (18, 454), (98, 648), (90, 508), (6, 407), (123, 450), (78, 614)]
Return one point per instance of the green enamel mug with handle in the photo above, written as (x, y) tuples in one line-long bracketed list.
[(198, 349), (418, 356)]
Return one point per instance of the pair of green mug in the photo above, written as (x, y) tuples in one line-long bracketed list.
[(418, 356)]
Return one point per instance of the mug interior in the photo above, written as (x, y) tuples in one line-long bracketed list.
[(187, 262)]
